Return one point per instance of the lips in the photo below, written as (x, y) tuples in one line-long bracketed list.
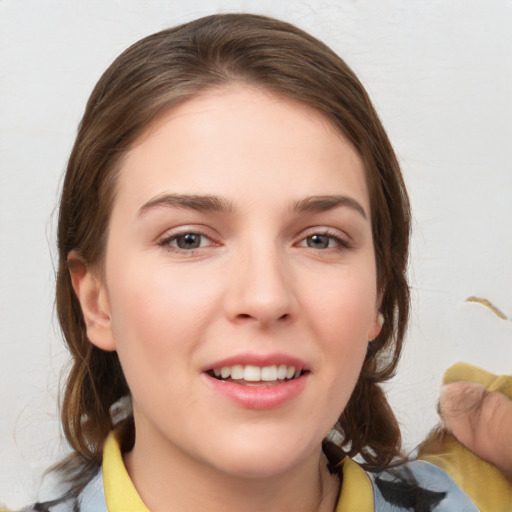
[(258, 382)]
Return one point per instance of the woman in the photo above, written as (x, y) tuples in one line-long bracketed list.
[(233, 239)]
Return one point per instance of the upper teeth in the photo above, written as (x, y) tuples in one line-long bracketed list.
[(253, 373)]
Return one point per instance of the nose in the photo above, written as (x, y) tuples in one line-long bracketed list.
[(261, 286)]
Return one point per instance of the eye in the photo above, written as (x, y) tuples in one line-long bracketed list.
[(320, 241), (324, 241), (186, 241)]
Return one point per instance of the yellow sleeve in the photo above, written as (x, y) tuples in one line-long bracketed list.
[(482, 482)]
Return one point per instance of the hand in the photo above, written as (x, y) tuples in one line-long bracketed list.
[(480, 420)]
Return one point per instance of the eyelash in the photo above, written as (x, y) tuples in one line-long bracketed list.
[(340, 242), (167, 242)]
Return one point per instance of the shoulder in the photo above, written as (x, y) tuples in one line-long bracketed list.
[(91, 499), (418, 485)]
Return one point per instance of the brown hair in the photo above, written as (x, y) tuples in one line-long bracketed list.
[(148, 78)]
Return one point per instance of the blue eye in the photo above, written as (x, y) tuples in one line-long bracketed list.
[(188, 241), (319, 241), (324, 241)]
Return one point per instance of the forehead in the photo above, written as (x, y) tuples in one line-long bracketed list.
[(241, 137)]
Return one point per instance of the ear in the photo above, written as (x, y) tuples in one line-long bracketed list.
[(376, 326), (92, 295)]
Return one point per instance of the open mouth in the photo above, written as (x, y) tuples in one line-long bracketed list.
[(251, 374)]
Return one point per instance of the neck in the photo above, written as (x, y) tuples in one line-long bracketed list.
[(175, 481)]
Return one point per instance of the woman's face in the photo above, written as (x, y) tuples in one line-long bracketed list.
[(239, 283)]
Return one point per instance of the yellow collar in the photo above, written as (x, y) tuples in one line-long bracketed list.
[(357, 490), (120, 493)]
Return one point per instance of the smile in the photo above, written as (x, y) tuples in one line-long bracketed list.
[(258, 382), (256, 374)]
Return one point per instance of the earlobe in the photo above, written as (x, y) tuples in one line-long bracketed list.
[(91, 294), (376, 327)]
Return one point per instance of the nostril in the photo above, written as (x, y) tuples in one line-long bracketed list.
[(245, 316)]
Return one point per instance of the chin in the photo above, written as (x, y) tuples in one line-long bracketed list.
[(258, 468), (260, 460)]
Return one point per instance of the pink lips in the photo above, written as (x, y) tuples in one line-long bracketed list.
[(258, 396)]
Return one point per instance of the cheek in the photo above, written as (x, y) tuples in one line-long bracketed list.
[(342, 316), (159, 313), (159, 318), (344, 304)]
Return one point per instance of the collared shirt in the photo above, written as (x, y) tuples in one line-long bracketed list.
[(469, 484), (113, 491)]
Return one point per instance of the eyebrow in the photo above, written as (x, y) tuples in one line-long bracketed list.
[(206, 203), (211, 203), (318, 204)]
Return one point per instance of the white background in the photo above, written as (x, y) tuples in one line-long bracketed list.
[(440, 74)]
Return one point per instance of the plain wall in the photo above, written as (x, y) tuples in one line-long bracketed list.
[(440, 74)]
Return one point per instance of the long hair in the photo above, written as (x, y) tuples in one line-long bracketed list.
[(146, 80)]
